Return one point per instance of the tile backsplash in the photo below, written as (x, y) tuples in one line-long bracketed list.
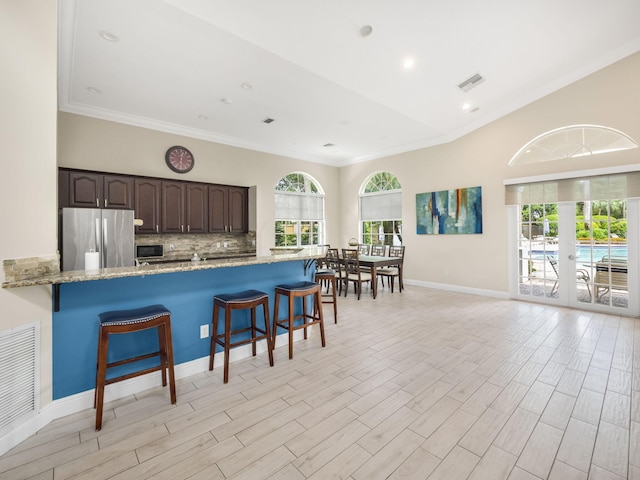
[(204, 244)]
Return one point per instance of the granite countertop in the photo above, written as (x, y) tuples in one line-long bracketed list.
[(160, 268)]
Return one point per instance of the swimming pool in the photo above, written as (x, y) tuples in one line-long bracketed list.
[(584, 252)]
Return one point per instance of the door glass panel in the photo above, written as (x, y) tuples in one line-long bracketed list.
[(538, 250), (602, 252)]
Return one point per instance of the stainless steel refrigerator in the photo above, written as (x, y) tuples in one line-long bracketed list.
[(109, 232)]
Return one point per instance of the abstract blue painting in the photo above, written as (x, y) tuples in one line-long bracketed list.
[(449, 211)]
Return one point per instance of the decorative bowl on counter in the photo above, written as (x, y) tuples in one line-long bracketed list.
[(285, 250)]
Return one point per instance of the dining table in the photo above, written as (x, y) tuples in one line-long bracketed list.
[(374, 262)]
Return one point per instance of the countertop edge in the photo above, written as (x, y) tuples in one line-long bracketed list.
[(142, 270)]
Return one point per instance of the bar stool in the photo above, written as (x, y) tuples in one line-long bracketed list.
[(327, 276), (248, 299), (128, 321), (292, 291)]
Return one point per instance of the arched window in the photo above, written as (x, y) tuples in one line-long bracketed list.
[(381, 210), (299, 214), (572, 141)]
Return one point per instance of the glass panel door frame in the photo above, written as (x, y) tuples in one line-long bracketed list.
[(532, 278)]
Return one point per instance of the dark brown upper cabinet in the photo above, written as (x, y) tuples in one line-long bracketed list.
[(172, 210), (95, 190), (228, 208), (196, 207), (184, 207), (147, 204)]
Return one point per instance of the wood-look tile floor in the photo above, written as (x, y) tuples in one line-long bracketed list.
[(414, 385)]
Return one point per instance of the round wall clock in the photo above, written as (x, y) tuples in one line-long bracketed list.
[(179, 159)]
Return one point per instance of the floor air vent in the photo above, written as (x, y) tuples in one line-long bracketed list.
[(18, 373)]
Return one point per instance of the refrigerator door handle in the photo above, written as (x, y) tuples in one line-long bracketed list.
[(105, 243), (96, 242)]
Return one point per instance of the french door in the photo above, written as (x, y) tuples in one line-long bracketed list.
[(578, 254)]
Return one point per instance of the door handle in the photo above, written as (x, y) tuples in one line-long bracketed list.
[(105, 243)]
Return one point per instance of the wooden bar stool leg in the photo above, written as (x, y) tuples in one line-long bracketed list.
[(275, 320), (317, 300), (214, 333), (170, 363), (253, 330), (162, 348), (290, 323), (227, 341), (267, 329), (103, 349), (304, 315)]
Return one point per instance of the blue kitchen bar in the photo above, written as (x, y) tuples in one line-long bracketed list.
[(186, 289)]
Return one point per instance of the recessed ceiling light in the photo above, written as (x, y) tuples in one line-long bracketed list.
[(365, 31), (226, 101), (408, 63), (329, 145), (203, 117), (246, 86), (110, 37), (466, 106), (94, 90), (344, 122), (474, 110)]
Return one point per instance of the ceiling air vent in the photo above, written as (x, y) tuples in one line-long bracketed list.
[(469, 83), (329, 145), (268, 120)]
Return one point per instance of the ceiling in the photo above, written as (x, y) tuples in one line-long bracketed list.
[(216, 69)]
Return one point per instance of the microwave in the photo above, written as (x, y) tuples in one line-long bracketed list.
[(146, 251)]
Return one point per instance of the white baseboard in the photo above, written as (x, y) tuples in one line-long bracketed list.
[(457, 288)]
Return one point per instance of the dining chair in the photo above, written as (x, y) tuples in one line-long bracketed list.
[(394, 271), (364, 249), (332, 261), (322, 262), (353, 273), (378, 250)]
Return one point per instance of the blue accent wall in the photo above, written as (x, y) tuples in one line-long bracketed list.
[(188, 295)]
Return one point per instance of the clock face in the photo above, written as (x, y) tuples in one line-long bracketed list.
[(179, 159)]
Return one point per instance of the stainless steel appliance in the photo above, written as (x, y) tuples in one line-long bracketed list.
[(109, 232), (149, 251)]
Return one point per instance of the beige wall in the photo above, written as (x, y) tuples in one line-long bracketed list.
[(28, 104), (608, 98), (94, 144)]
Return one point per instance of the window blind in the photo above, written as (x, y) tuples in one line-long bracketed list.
[(381, 206), (580, 189), (297, 206)]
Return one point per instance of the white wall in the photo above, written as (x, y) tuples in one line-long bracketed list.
[(28, 104), (608, 97), (93, 144)]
